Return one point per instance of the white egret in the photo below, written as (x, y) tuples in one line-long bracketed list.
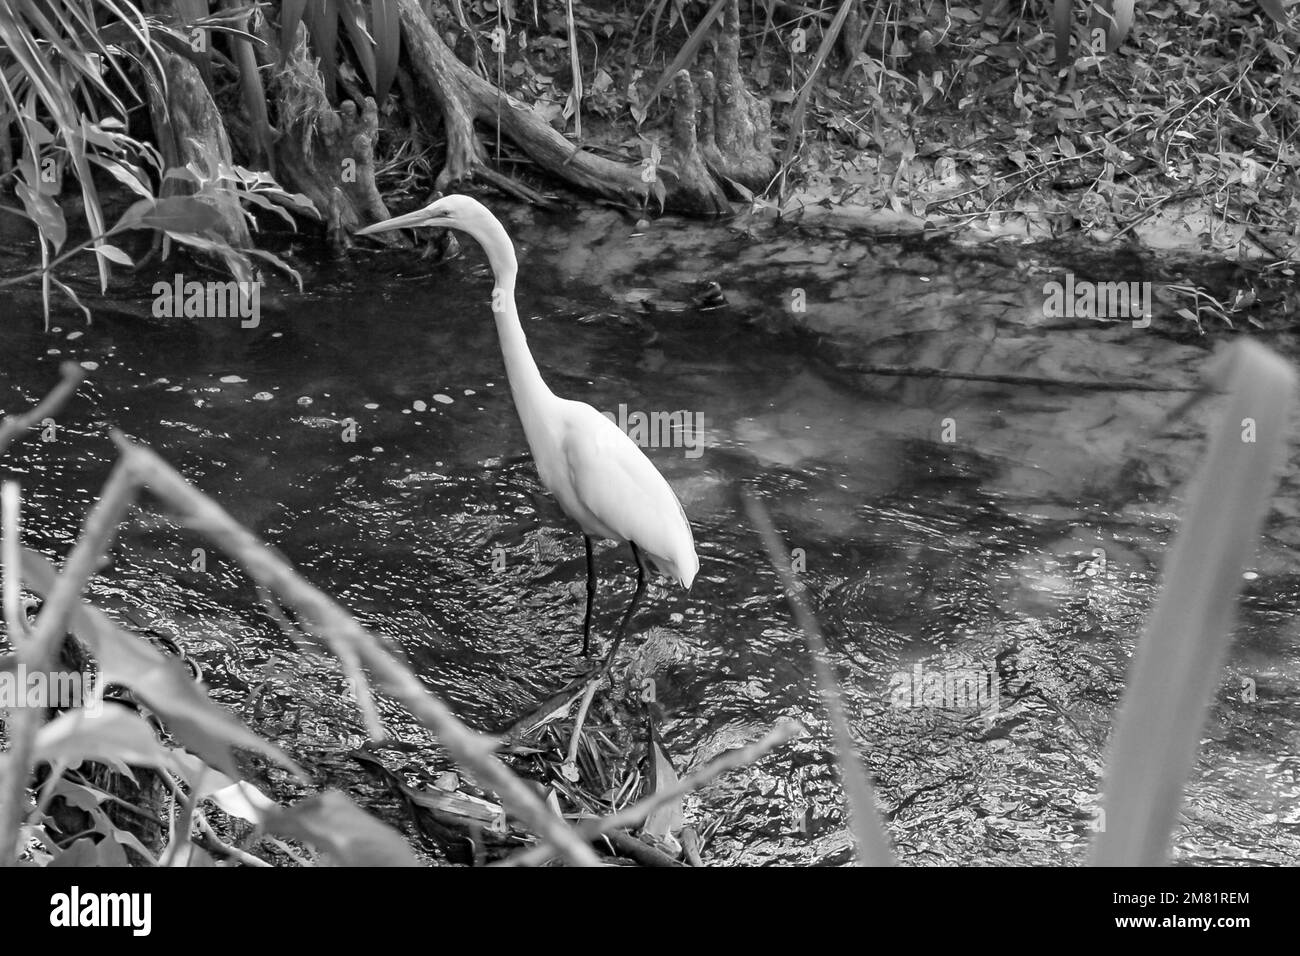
[(599, 476)]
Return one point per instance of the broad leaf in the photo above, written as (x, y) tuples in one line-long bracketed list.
[(119, 736), (339, 828), (45, 213), (201, 724), (1275, 10), (237, 797)]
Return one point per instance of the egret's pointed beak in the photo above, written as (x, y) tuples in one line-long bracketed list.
[(412, 220)]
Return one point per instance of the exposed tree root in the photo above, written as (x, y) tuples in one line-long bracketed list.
[(742, 123), (720, 137), (689, 177), (327, 155), (463, 98)]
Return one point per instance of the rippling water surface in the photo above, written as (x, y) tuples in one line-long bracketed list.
[(946, 527)]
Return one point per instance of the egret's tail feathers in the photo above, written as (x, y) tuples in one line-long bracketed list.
[(681, 568), (686, 571)]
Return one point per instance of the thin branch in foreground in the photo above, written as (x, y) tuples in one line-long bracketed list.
[(10, 542), (637, 813), (472, 750), (214, 844), (864, 819), (181, 845), (14, 425), (39, 651), (289, 851)]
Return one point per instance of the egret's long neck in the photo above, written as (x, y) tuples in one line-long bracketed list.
[(530, 393)]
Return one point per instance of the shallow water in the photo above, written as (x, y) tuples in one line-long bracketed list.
[(943, 524)]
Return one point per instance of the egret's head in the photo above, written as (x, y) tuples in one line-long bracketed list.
[(465, 215)]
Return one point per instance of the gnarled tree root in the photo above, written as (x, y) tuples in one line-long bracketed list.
[(463, 98), (741, 122), (688, 170), (327, 155)]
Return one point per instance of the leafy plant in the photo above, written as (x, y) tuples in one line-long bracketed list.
[(373, 30), (191, 221)]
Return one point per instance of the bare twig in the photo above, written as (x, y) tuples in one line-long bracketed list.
[(289, 851), (472, 750), (179, 849), (13, 425), (864, 819), (214, 844), (576, 739), (356, 677)]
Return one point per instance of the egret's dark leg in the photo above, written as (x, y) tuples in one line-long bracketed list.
[(631, 608), (591, 597)]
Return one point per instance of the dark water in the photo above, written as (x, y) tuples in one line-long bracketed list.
[(967, 555)]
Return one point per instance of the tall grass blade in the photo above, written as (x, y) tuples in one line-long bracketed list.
[(864, 820), (386, 26), (575, 67), (1123, 23), (353, 15), (1177, 665), (323, 25), (686, 55), (801, 105), (291, 14)]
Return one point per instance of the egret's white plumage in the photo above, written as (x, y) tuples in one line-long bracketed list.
[(613, 491), (599, 476)]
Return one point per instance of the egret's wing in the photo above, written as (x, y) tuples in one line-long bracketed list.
[(623, 490)]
